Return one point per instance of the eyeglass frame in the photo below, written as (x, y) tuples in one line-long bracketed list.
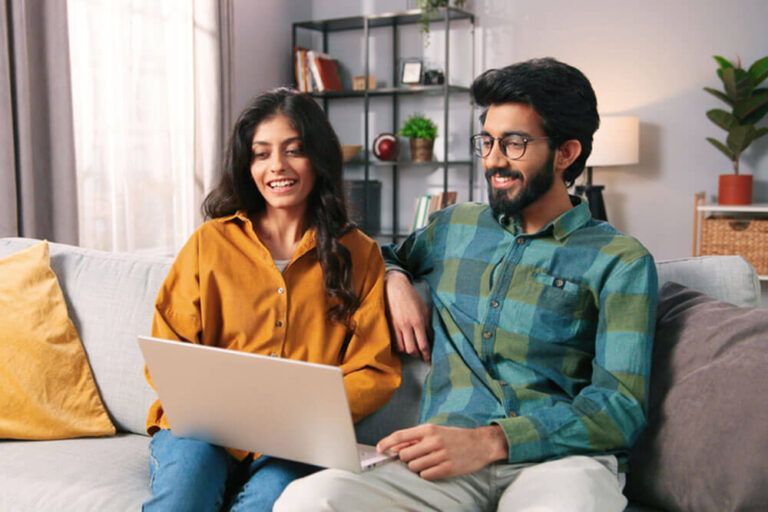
[(502, 147)]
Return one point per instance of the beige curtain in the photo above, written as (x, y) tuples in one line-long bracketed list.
[(38, 193), (148, 95)]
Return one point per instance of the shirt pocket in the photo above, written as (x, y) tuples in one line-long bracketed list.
[(562, 307)]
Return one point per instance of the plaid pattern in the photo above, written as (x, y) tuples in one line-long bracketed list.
[(547, 335)]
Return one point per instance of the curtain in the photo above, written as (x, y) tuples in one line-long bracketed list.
[(148, 90), (38, 194)]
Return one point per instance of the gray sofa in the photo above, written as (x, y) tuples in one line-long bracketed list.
[(110, 299)]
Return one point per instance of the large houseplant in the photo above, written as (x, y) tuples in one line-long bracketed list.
[(422, 132), (748, 105)]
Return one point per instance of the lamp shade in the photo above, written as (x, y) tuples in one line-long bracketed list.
[(616, 142)]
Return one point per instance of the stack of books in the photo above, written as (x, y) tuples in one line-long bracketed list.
[(429, 203), (315, 71)]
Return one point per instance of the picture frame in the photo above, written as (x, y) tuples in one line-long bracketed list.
[(411, 72)]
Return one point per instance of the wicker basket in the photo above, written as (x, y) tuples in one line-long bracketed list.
[(742, 236)]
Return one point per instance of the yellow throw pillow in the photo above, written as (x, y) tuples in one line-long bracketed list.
[(47, 390)]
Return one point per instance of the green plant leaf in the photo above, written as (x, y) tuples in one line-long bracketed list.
[(738, 139), (418, 126), (723, 119), (759, 71), (749, 106), (719, 94), (728, 76), (724, 64), (722, 147), (756, 134)]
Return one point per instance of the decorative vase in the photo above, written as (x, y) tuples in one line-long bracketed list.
[(421, 149), (734, 189)]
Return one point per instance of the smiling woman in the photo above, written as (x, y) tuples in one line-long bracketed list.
[(276, 270)]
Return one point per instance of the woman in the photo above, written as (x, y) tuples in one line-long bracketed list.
[(278, 270)]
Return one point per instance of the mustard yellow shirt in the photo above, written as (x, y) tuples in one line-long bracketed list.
[(225, 290)]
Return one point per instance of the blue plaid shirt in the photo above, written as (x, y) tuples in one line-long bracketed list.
[(548, 335)]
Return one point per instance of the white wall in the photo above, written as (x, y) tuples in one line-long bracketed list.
[(262, 46), (649, 59)]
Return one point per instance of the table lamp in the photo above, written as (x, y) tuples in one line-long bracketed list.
[(616, 142)]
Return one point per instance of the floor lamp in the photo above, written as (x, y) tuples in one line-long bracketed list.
[(616, 142)]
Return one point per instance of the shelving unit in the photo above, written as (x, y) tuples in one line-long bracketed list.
[(741, 216), (393, 22)]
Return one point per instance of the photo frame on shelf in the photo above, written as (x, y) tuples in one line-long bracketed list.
[(411, 72)]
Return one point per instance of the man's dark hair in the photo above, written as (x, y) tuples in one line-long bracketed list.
[(560, 94)]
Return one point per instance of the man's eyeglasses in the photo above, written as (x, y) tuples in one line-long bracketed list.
[(512, 146)]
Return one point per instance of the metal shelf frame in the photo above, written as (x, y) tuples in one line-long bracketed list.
[(394, 21)]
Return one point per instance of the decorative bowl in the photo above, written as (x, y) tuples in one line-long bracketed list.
[(349, 151)]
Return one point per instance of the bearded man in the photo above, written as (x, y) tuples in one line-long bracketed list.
[(543, 322)]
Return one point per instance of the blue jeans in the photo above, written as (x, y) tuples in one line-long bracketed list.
[(191, 475)]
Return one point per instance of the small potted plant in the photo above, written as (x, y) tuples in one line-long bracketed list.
[(748, 105), (430, 7), (422, 132)]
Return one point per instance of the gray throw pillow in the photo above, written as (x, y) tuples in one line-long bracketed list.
[(706, 444)]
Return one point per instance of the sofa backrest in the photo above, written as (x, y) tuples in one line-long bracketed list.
[(111, 299)]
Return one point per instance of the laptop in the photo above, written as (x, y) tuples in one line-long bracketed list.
[(280, 407)]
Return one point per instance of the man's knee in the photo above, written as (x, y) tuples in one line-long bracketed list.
[(319, 491)]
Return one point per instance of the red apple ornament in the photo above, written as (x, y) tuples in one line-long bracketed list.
[(386, 147)]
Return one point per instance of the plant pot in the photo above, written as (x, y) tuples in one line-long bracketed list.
[(421, 150), (734, 189)]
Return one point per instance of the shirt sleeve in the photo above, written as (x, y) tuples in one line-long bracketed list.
[(177, 314), (412, 256), (607, 415), (371, 369)]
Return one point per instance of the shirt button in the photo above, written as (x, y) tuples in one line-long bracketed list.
[(280, 291), (559, 283), (520, 241), (494, 304), (487, 335), (279, 323)]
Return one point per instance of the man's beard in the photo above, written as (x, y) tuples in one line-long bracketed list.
[(539, 182)]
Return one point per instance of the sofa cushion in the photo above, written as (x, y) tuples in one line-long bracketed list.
[(48, 391), (110, 298), (727, 278), (705, 447), (76, 475)]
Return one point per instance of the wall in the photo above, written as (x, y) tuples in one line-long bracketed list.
[(649, 59), (262, 46)]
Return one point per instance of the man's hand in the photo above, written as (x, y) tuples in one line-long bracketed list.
[(436, 452), (409, 316)]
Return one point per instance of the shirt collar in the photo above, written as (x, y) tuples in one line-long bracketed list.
[(562, 226), (307, 243)]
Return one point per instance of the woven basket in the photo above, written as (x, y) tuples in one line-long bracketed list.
[(744, 237)]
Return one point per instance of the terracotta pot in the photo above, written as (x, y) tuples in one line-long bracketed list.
[(421, 150), (735, 189)]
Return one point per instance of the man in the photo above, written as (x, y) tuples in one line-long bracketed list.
[(543, 320)]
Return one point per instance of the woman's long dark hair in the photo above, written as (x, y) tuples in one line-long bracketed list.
[(326, 211)]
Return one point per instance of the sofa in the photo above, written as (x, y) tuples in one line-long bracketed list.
[(110, 300)]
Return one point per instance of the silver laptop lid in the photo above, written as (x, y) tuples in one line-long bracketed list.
[(280, 407)]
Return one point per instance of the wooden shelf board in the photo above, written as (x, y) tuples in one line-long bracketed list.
[(747, 208)]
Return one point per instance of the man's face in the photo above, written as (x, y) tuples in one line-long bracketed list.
[(514, 185)]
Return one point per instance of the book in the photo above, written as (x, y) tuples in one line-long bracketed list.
[(428, 204), (325, 72)]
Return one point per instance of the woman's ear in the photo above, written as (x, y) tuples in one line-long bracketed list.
[(566, 154)]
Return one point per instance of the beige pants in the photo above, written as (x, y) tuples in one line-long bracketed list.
[(576, 483)]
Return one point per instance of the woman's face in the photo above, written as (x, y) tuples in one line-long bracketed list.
[(280, 168)]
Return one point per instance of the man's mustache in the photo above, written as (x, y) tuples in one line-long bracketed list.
[(503, 173)]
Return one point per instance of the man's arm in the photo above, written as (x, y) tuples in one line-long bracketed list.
[(408, 314), (436, 452)]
